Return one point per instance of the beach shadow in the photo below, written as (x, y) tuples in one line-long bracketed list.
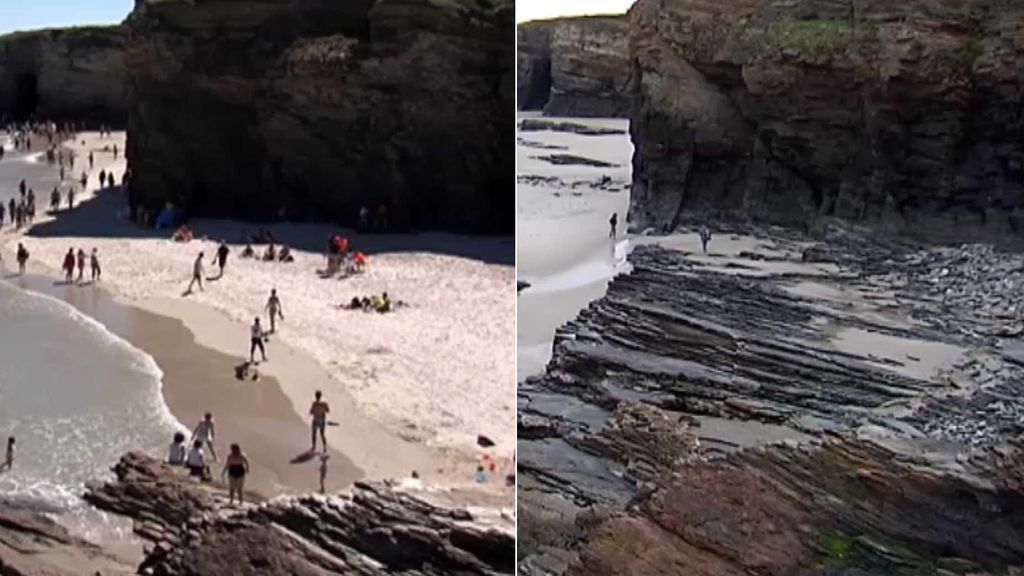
[(305, 457)]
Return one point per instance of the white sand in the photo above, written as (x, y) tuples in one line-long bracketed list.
[(440, 371)]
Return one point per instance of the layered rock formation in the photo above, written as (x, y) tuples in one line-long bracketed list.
[(575, 67), (768, 413), (903, 114), (316, 108), (374, 530), (74, 73)]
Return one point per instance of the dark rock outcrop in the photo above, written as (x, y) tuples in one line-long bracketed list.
[(73, 74), (702, 422), (313, 109), (374, 530), (575, 67), (903, 115)]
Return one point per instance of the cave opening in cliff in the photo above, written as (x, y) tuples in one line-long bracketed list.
[(538, 85), (26, 96)]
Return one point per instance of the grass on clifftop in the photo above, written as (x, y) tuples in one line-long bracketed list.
[(805, 37)]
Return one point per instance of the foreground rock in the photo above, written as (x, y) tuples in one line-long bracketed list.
[(711, 416), (31, 544), (73, 74), (576, 67), (374, 530), (904, 115), (314, 109)]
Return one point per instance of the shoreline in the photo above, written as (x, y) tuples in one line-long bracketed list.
[(195, 344)]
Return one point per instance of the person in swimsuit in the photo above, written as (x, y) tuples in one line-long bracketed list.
[(206, 433), (197, 274), (221, 257), (196, 463), (256, 341), (69, 266), (236, 466), (274, 309), (9, 457), (319, 410), (94, 263), (176, 452)]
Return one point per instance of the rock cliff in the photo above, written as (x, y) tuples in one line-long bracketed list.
[(577, 67), (901, 114), (315, 108), (74, 73)]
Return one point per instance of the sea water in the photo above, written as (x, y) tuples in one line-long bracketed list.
[(73, 395)]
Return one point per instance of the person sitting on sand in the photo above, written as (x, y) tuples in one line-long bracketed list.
[(355, 304), (9, 456), (236, 466), (196, 462), (359, 263), (247, 371), (206, 433), (22, 258), (271, 254), (285, 255), (176, 452), (69, 266), (248, 252)]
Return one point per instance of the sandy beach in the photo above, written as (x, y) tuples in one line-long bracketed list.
[(410, 390)]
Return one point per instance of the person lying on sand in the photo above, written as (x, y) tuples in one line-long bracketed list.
[(247, 371)]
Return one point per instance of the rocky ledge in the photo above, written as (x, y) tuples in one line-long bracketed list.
[(903, 115), (191, 529), (838, 408), (575, 67), (73, 74), (270, 109)]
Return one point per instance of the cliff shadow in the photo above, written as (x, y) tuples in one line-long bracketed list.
[(105, 216)]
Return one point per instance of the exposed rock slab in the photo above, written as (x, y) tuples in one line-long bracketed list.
[(31, 544)]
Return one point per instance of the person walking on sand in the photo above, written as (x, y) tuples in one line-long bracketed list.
[(319, 411), (256, 341), (221, 258), (236, 466), (92, 161), (705, 237), (94, 265), (613, 222), (71, 197), (9, 456), (22, 258), (273, 308), (205, 433), (81, 265), (197, 274), (69, 266), (13, 207)]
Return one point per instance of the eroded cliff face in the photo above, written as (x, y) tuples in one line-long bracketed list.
[(313, 109), (74, 73), (577, 67), (905, 114)]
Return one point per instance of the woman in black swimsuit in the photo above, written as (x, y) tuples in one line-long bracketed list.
[(235, 467)]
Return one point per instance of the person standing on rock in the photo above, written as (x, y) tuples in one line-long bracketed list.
[(221, 258), (197, 274), (705, 237), (273, 308), (205, 433), (319, 411), (196, 463), (236, 467), (613, 223)]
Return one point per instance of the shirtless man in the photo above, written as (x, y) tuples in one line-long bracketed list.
[(205, 433), (197, 274), (274, 309), (221, 258), (319, 410)]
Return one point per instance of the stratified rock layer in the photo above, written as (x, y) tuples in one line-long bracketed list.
[(901, 114), (374, 530), (316, 108), (69, 74), (576, 67)]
